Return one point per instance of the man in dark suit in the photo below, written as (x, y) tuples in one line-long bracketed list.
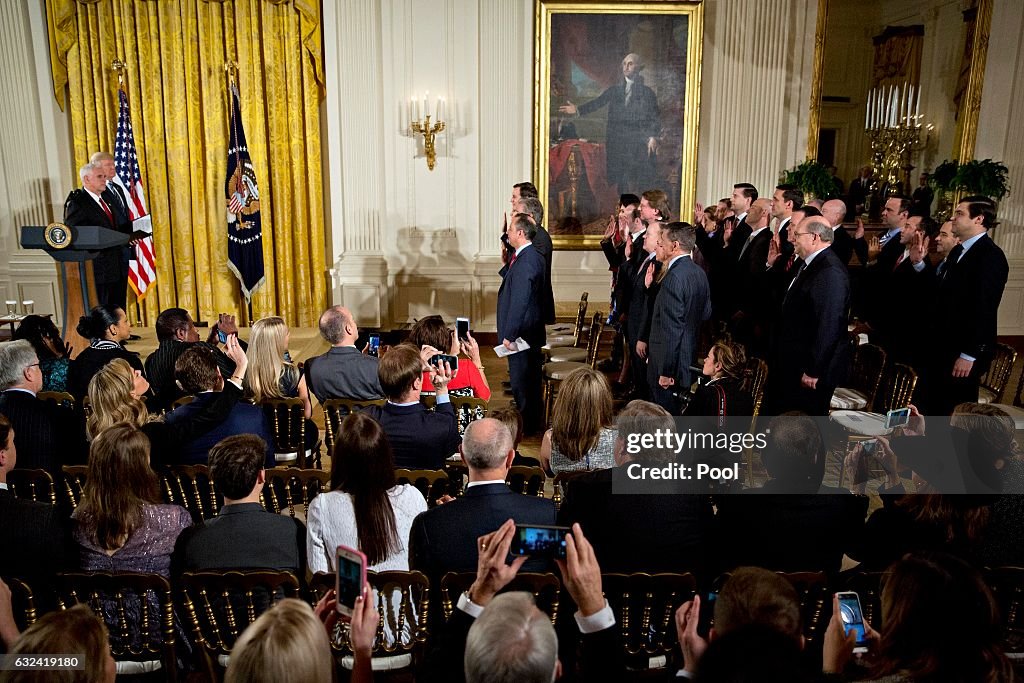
[(420, 440), (520, 315), (534, 209), (834, 211), (444, 539), (860, 189), (342, 372), (683, 303), (45, 434), (811, 349), (243, 535), (966, 307), (641, 309), (734, 240), (640, 531), (197, 373), (618, 234), (32, 534), (753, 302), (634, 124), (894, 215), (86, 206), (785, 200)]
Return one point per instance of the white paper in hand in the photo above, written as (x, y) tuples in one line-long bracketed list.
[(517, 346)]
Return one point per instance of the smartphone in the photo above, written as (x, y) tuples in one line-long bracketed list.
[(868, 447), (897, 418), (540, 541), (462, 328), (351, 577), (853, 619), (706, 617), (453, 361), (223, 338), (374, 349)]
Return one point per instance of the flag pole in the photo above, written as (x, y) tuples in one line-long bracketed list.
[(119, 67), (231, 68)]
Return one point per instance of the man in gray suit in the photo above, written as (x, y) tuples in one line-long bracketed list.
[(342, 372), (683, 303)]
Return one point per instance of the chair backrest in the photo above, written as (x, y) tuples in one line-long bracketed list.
[(138, 610), (23, 602), (526, 479), (758, 369), (561, 484), (544, 587), (336, 410), (866, 368), (1007, 585), (594, 340), (219, 605), (581, 319), (403, 603), (468, 409), (191, 487), (429, 400), (34, 485), (898, 384), (183, 401), (998, 375), (286, 488), (645, 607), (60, 398), (74, 483), (815, 603), (288, 420), (431, 483)]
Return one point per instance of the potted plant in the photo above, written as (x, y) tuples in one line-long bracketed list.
[(984, 177), (813, 178)]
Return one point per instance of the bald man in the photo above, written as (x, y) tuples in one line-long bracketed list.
[(344, 371), (834, 211)]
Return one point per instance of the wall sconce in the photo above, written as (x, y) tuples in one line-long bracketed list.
[(419, 124)]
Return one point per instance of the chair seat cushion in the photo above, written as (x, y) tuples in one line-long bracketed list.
[(559, 328), (568, 353), (557, 340), (986, 395), (561, 370), (848, 399)]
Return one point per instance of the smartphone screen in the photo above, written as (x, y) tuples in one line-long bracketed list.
[(853, 619), (351, 568), (462, 328), (453, 361), (540, 541), (897, 418), (374, 349), (223, 338)]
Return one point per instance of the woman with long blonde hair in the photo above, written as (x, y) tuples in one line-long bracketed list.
[(272, 373), (581, 437)]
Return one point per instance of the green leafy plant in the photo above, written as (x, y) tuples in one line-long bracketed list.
[(942, 177), (984, 177), (812, 178)]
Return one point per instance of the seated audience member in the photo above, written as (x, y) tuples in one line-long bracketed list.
[(420, 440), (243, 535), (365, 508), (106, 327), (478, 644), (940, 622), (176, 333), (197, 373), (581, 437), (470, 380), (32, 534), (513, 419), (750, 597), (54, 356), (47, 436), (72, 631), (636, 531), (342, 372), (115, 394), (725, 394), (444, 539), (754, 653), (793, 522)]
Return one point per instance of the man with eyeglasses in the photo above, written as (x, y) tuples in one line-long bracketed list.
[(810, 350)]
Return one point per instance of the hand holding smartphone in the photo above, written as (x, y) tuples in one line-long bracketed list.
[(540, 541), (374, 347), (852, 616), (462, 328), (350, 578)]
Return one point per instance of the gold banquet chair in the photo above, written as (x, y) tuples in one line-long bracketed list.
[(556, 372), (289, 487), (865, 376), (561, 330), (559, 340), (35, 485), (336, 410), (544, 587), (993, 382)]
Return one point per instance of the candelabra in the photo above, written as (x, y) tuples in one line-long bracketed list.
[(893, 124), (428, 131)]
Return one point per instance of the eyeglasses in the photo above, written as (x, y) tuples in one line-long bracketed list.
[(799, 234)]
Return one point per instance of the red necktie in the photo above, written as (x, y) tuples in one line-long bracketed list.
[(789, 264), (512, 262), (900, 260), (106, 210)]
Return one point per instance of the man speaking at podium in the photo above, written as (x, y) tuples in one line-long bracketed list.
[(87, 206)]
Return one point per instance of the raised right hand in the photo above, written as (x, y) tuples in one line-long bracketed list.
[(568, 108)]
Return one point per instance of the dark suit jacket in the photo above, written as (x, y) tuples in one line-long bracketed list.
[(244, 536), (34, 537), (520, 299), (629, 128), (900, 327), (243, 418), (160, 369), (118, 204), (765, 528), (641, 300), (967, 304), (89, 362), (627, 275), (886, 259), (45, 436), (343, 372), (81, 209), (845, 246), (542, 243), (420, 439), (636, 532), (752, 296), (683, 303), (443, 539)]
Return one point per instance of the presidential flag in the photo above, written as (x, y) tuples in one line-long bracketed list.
[(142, 264), (245, 233)]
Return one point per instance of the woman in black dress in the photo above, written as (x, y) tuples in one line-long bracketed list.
[(106, 327)]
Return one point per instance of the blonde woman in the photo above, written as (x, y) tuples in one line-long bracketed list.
[(272, 373), (116, 395), (581, 437)]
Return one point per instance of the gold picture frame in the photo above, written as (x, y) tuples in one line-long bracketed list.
[(577, 48)]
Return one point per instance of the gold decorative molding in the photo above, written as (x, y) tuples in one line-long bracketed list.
[(817, 79), (967, 127)]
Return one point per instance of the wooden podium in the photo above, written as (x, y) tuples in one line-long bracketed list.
[(73, 249)]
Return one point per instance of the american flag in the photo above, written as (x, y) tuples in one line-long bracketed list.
[(142, 266)]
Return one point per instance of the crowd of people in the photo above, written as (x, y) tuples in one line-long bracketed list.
[(689, 300)]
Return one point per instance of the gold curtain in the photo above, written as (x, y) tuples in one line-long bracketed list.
[(176, 51), (898, 56)]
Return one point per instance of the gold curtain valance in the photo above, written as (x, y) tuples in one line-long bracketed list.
[(175, 51), (898, 56)]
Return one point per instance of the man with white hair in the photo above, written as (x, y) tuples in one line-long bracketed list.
[(634, 123), (844, 246), (87, 206)]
